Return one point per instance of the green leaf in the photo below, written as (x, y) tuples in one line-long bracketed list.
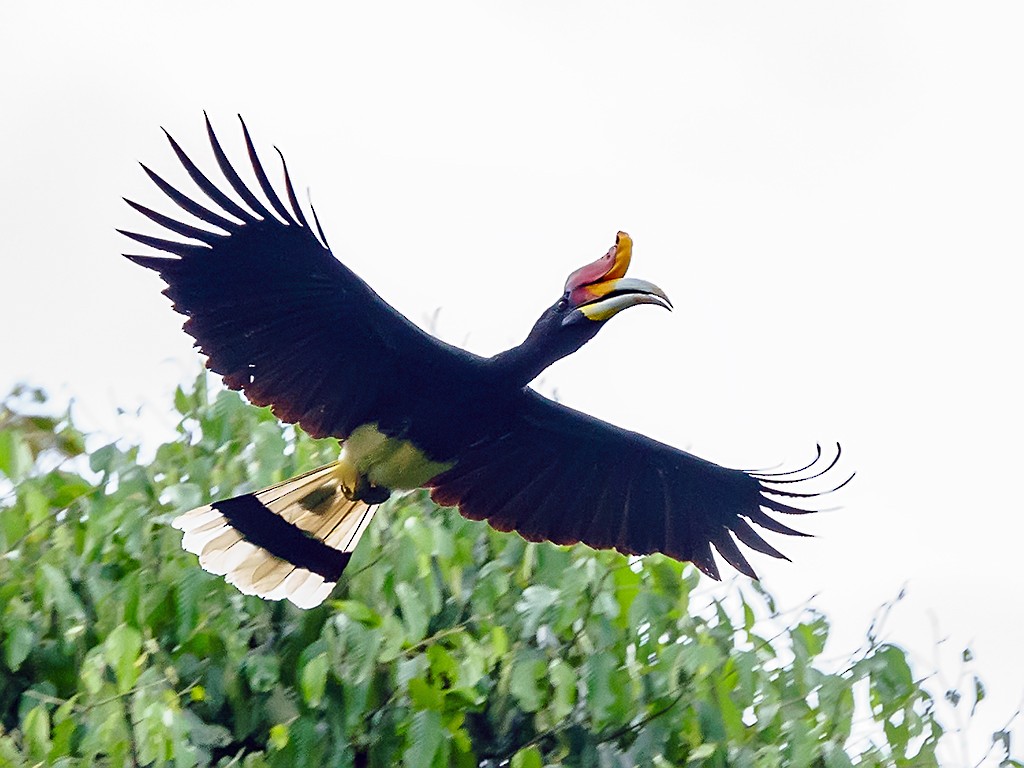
[(426, 735), (732, 718), (414, 612), (314, 679), (703, 752), (528, 758), (357, 611), (105, 459), (263, 671), (92, 670), (748, 616), (18, 644), (35, 730), (535, 602), (15, 456), (563, 679), (891, 679), (181, 401), (628, 585), (424, 695), (58, 593), (268, 447), (184, 496), (837, 704), (63, 733), (607, 689), (279, 736), (121, 649), (836, 757), (810, 638), (979, 693), (701, 658), (525, 681), (499, 641)]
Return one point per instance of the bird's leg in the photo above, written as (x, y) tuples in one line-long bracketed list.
[(366, 492), (348, 477), (357, 487)]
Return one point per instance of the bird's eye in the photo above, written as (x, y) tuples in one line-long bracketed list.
[(562, 304)]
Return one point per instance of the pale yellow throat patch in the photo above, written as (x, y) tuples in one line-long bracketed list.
[(386, 462)]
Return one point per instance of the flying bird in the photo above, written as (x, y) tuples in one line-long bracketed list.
[(284, 321)]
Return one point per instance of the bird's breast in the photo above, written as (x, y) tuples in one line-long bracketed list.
[(388, 462)]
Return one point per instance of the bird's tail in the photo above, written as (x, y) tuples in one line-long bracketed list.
[(291, 540)]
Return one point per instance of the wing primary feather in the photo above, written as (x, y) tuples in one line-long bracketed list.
[(316, 220), (261, 176), (520, 500), (727, 548), (771, 478), (161, 264), (292, 200), (191, 206), (742, 530), (666, 506), (232, 175), (591, 533), (702, 558), (798, 494), (847, 480), (178, 227), (778, 506), (556, 516), (479, 497), (170, 246), (659, 524), (814, 461), (648, 513), (576, 515), (279, 376), (208, 187), (771, 524), (474, 464), (631, 481)]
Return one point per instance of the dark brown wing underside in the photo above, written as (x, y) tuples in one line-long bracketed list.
[(559, 475)]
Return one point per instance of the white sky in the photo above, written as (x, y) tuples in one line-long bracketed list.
[(830, 193)]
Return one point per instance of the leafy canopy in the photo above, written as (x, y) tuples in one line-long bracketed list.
[(447, 643)]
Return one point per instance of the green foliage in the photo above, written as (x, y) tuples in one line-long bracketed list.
[(447, 643)]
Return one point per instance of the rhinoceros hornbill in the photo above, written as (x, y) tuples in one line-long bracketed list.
[(280, 318)]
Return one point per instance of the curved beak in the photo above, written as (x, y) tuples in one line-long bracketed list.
[(599, 291)]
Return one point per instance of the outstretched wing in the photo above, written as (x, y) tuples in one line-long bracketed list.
[(560, 475), (277, 315)]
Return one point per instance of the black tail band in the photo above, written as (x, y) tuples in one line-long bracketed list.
[(259, 526)]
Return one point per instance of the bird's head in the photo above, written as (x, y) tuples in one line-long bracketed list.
[(593, 295), (599, 291)]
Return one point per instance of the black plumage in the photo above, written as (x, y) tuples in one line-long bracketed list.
[(280, 318)]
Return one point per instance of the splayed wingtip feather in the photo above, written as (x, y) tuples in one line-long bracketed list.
[(771, 478)]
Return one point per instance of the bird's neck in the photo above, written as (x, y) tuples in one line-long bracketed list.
[(521, 365)]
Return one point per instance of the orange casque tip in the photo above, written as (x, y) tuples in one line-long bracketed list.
[(609, 267)]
